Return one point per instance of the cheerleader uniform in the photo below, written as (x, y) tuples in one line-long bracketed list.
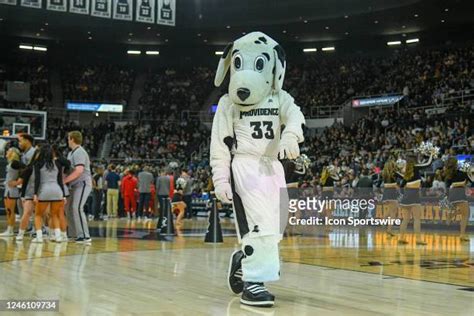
[(390, 193), (49, 183), (457, 194), (328, 187), (292, 178), (411, 196), (12, 174), (49, 189)]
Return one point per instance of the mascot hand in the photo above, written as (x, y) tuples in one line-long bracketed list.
[(289, 147), (224, 192)]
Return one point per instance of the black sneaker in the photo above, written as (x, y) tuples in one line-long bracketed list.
[(256, 294), (82, 240), (234, 274)]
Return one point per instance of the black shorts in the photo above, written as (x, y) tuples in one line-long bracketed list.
[(410, 197), (390, 194), (457, 195)]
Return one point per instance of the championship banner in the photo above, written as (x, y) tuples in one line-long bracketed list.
[(101, 8), (166, 12), (56, 5), (10, 2), (145, 11), (123, 10), (32, 3), (79, 6)]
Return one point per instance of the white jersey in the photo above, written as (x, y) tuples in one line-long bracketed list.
[(256, 132)]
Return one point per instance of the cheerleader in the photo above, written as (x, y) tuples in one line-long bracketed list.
[(390, 192), (26, 181), (48, 191), (456, 182), (295, 170), (329, 179), (66, 169), (12, 193), (410, 203)]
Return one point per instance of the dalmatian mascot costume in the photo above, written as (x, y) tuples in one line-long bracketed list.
[(255, 124)]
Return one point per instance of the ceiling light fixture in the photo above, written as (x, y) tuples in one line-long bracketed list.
[(134, 52), (328, 49), (40, 48), (412, 40), (394, 43), (23, 46)]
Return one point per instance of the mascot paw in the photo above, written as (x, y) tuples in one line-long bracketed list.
[(224, 192), (289, 147)]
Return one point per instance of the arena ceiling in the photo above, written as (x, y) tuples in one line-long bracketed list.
[(216, 22)]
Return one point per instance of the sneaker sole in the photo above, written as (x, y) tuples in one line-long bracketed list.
[(228, 273), (259, 303), (85, 242)]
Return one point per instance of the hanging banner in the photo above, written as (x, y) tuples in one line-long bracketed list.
[(56, 5), (32, 3), (145, 11), (123, 10), (79, 6), (166, 12), (10, 2), (101, 8)]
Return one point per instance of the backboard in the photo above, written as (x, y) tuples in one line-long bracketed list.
[(13, 122)]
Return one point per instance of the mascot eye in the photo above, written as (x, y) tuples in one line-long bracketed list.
[(238, 62), (259, 63)]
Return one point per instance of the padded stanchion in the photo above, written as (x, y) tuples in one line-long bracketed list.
[(167, 225), (214, 231)]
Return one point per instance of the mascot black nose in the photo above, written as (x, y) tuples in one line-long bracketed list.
[(243, 93)]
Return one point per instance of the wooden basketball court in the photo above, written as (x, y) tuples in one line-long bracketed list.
[(130, 270)]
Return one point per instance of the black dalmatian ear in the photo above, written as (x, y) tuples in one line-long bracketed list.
[(280, 67), (224, 63)]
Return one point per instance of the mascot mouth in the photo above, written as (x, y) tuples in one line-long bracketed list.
[(246, 104)]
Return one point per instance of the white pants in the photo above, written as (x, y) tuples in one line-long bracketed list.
[(259, 190)]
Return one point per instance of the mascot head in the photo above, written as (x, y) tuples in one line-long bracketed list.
[(257, 66)]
